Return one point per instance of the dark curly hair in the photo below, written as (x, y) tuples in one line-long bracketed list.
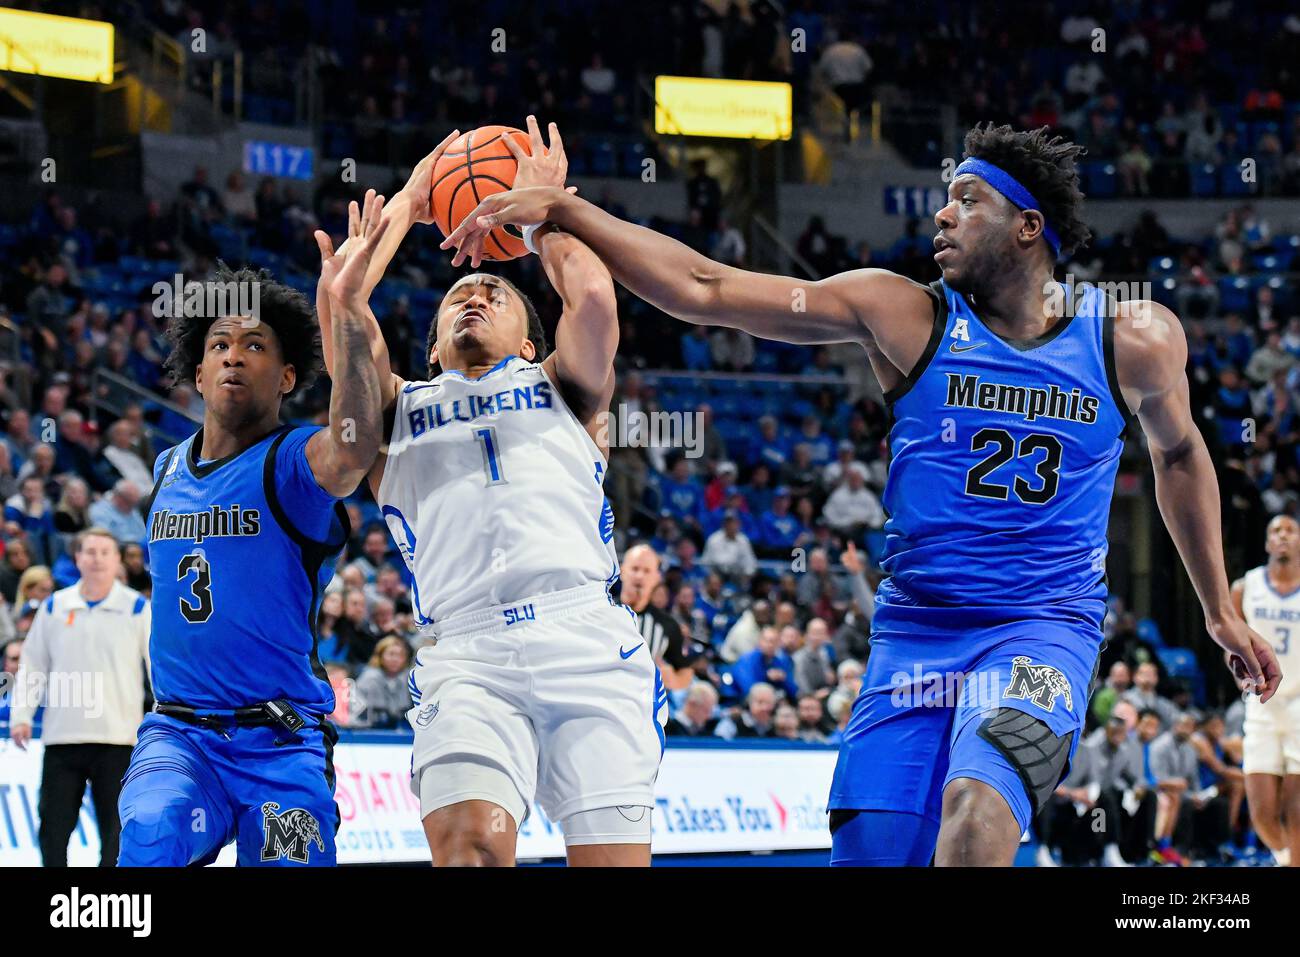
[(284, 309), (1044, 165), (536, 332)]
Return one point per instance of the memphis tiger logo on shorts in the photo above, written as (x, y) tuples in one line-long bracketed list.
[(1041, 684), (289, 834), (426, 715)]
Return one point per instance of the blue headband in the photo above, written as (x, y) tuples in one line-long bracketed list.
[(1009, 186)]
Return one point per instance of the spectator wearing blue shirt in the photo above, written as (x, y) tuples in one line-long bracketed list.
[(759, 492), (32, 511), (767, 663), (771, 448), (681, 494), (1240, 343), (735, 503), (1232, 406), (696, 354), (821, 444), (710, 599), (18, 438), (686, 566), (666, 533), (118, 513), (779, 528)]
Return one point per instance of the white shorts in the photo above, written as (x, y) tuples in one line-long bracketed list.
[(1272, 737), (553, 698)]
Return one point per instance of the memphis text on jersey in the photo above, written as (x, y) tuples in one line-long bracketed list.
[(470, 407), (216, 522), (968, 391)]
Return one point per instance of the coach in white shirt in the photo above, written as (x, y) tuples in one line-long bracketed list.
[(85, 658)]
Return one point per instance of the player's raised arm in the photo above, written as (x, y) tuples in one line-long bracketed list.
[(1150, 359), (587, 335), (341, 455), (859, 306), (409, 206), (389, 382)]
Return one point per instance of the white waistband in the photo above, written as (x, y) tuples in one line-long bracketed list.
[(519, 614)]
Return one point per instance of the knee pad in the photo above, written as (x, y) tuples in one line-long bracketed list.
[(881, 838), (1037, 754), (156, 829), (625, 824)]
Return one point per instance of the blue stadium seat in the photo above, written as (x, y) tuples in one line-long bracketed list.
[(1231, 182), (1102, 179), (728, 692), (1205, 179), (1178, 662), (1234, 293), (1165, 292), (630, 160), (1149, 631), (602, 159)]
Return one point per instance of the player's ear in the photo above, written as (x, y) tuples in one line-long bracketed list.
[(528, 350), (288, 379)]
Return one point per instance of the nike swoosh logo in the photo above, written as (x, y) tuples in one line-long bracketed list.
[(952, 347), (627, 654)]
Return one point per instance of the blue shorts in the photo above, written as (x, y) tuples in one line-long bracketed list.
[(934, 674), (189, 791)]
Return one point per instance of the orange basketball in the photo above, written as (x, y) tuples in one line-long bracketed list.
[(476, 165)]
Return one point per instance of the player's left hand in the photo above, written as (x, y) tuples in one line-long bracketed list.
[(1249, 657), (344, 276)]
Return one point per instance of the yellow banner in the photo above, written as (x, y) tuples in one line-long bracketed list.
[(65, 47), (746, 109)]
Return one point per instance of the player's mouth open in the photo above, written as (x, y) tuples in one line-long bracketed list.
[(470, 315), (941, 246)]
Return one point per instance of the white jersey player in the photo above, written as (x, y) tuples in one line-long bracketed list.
[(539, 685), (1268, 598)]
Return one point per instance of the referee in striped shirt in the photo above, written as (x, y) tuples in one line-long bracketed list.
[(640, 576)]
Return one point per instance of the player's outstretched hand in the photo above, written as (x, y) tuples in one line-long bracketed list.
[(344, 276), (1250, 658), (543, 166), (419, 187)]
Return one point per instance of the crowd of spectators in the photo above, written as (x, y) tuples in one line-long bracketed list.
[(770, 535), (1152, 781), (1156, 89)]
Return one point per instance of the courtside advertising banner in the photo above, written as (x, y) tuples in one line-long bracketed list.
[(708, 800)]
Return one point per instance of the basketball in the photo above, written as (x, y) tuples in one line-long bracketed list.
[(476, 165)]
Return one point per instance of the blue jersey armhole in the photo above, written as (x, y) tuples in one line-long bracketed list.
[(940, 323), (269, 489)]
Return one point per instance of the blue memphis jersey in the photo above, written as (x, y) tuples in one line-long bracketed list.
[(240, 551), (1003, 460)]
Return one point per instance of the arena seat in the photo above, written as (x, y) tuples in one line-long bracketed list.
[(1231, 182), (1234, 293), (1149, 632), (1204, 179)]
